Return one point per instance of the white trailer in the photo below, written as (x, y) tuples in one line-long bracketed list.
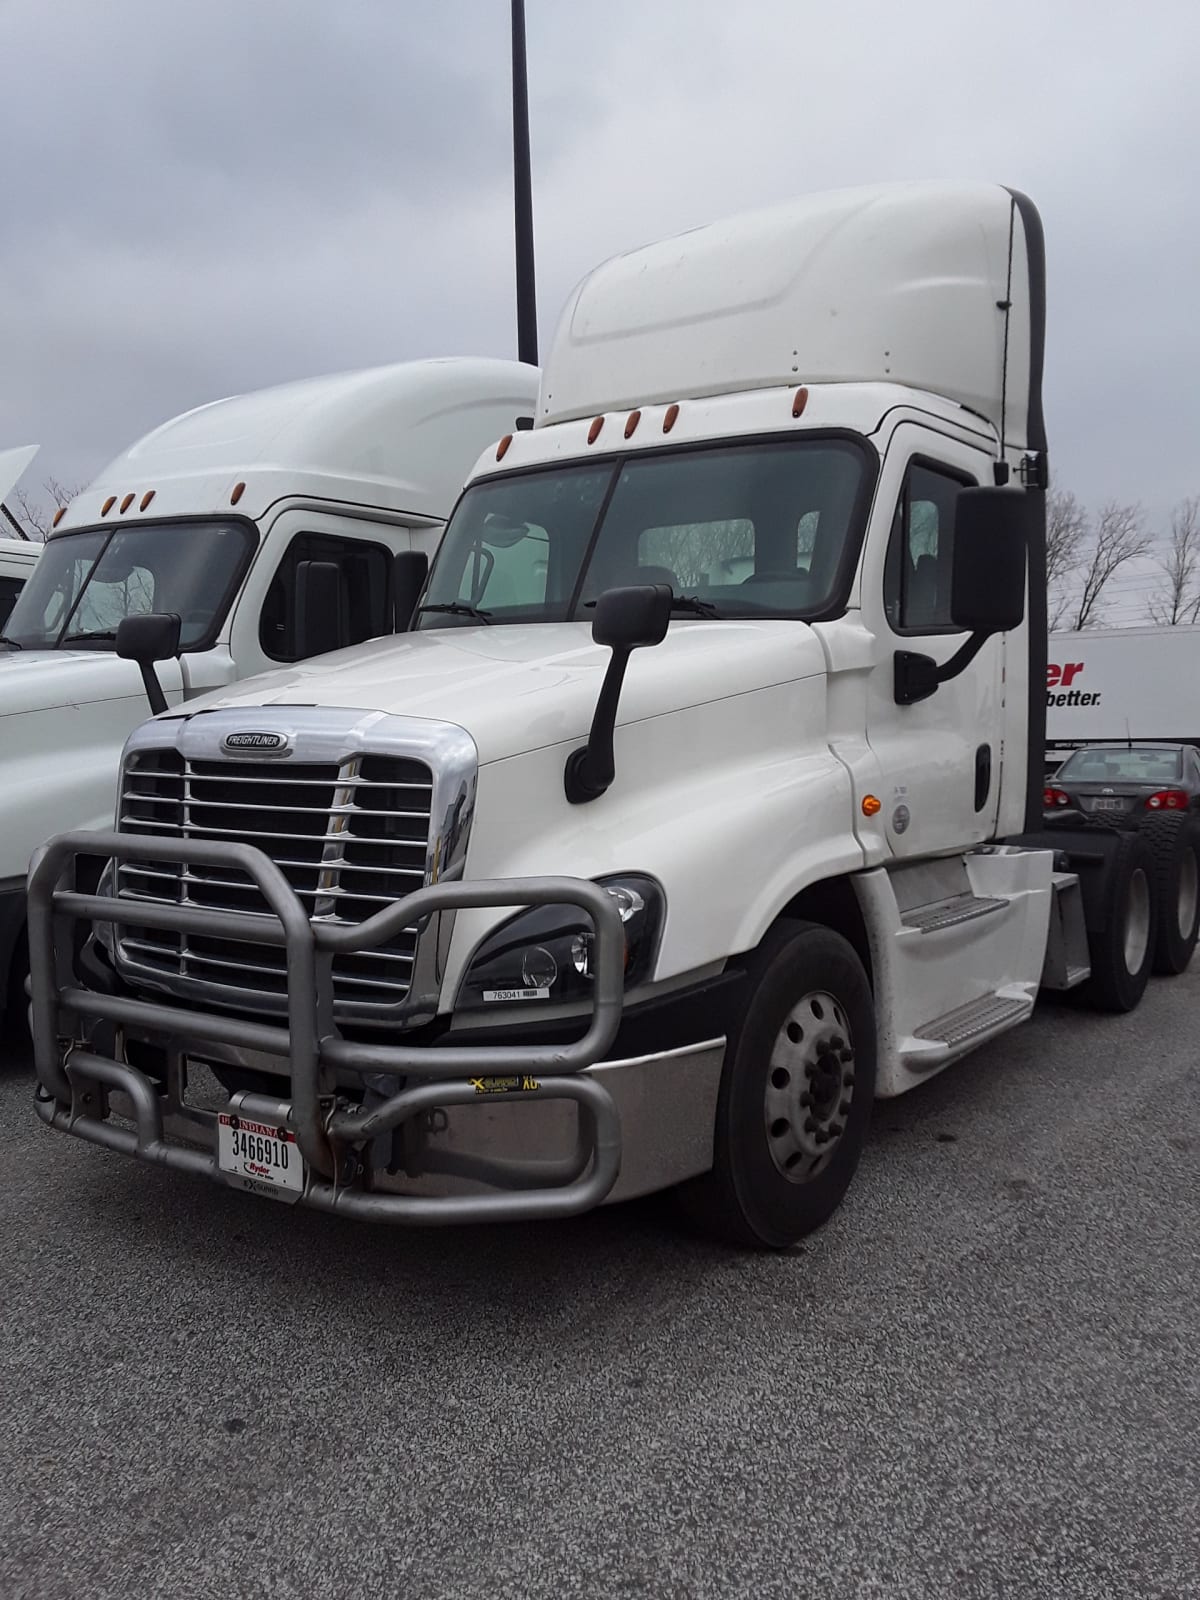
[(268, 524), (693, 813), (1106, 684)]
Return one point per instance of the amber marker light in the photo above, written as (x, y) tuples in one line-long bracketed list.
[(871, 805), (594, 430), (239, 490), (631, 423), (108, 505), (502, 447), (672, 416), (146, 499), (799, 401)]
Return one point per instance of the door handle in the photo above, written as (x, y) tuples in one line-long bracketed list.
[(983, 775)]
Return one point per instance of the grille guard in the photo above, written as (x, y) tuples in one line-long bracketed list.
[(68, 1072)]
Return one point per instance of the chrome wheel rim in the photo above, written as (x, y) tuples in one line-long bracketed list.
[(1189, 893), (810, 1087), (1137, 922)]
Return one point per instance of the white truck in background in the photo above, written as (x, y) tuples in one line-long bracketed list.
[(269, 524), (18, 554), (701, 805), (1108, 684)]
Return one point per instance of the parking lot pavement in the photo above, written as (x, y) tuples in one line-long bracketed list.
[(982, 1379)]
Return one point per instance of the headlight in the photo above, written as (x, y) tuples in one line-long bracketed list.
[(105, 931), (546, 953)]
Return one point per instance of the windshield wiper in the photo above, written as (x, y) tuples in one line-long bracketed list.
[(694, 604), (679, 602), (13, 644), (458, 608), (95, 633)]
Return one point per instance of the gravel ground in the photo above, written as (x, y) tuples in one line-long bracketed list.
[(982, 1379)]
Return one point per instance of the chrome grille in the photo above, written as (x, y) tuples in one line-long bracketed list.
[(349, 836)]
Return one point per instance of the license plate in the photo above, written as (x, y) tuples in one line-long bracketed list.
[(1105, 803), (260, 1156)]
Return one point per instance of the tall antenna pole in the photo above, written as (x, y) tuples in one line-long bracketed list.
[(523, 194)]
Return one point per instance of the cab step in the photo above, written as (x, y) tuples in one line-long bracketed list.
[(949, 913), (991, 1013)]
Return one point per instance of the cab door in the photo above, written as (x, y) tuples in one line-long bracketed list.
[(940, 759)]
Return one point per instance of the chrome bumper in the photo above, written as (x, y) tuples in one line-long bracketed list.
[(544, 1134)]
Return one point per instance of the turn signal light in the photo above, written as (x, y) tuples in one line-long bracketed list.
[(1168, 800), (871, 805), (1055, 797)]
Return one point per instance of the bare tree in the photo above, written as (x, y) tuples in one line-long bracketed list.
[(35, 513), (1119, 537), (1178, 600), (1066, 530)]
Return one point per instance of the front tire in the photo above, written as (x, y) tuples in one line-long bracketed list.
[(796, 1093)]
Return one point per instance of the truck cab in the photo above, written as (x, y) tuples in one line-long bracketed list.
[(689, 816), (269, 523)]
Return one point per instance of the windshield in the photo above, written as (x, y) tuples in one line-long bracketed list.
[(763, 529), (85, 583), (1122, 766)]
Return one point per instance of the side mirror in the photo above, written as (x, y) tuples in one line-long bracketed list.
[(409, 571), (992, 530), (626, 620), (152, 637), (630, 619), (321, 624)]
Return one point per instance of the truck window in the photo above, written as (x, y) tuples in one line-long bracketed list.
[(916, 584), (85, 583), (366, 579), (10, 588), (769, 528)]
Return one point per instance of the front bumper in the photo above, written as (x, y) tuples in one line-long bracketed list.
[(402, 1133)]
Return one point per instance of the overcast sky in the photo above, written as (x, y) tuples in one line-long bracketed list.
[(208, 196)]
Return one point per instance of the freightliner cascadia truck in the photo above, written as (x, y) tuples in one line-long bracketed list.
[(700, 805), (268, 523)]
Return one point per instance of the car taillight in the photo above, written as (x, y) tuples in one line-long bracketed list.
[(1055, 797), (1168, 800)]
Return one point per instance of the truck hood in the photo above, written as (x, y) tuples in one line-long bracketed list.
[(41, 680), (521, 688)]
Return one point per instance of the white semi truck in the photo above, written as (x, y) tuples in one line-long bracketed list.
[(693, 813), (269, 524), (1106, 684)]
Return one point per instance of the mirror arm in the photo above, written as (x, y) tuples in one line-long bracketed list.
[(153, 688), (590, 770), (916, 676)]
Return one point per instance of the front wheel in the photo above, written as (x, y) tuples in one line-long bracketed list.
[(796, 1093)]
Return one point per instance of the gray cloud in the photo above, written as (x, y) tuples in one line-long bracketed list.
[(210, 197)]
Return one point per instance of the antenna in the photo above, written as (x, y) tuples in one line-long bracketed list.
[(1128, 739), (523, 194)]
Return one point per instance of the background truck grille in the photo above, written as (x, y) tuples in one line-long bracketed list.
[(349, 837)]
